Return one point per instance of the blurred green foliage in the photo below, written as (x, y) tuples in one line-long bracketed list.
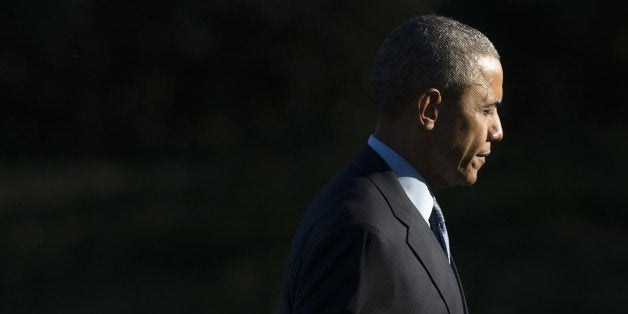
[(157, 155)]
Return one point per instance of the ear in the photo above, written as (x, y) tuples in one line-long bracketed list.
[(428, 105)]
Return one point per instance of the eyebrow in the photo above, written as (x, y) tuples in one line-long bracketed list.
[(496, 104)]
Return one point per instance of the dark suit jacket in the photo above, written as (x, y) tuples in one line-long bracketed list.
[(362, 247)]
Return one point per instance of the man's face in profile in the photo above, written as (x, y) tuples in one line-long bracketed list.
[(468, 127)]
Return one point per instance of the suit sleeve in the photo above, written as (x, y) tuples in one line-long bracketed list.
[(348, 271)]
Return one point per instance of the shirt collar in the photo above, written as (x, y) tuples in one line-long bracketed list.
[(413, 184)]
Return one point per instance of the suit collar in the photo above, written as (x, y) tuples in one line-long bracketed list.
[(412, 182), (420, 238)]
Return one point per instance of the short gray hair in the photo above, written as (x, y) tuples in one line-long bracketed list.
[(424, 52)]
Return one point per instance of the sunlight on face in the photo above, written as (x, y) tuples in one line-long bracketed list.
[(469, 127)]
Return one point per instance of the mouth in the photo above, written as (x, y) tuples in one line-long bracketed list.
[(483, 154)]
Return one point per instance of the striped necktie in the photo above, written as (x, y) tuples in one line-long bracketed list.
[(437, 224)]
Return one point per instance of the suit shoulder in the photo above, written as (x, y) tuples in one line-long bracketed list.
[(351, 196)]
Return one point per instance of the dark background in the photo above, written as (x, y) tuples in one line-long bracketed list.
[(156, 156)]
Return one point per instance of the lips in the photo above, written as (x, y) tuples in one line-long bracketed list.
[(483, 154)]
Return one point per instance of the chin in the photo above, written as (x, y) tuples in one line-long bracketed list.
[(462, 177), (468, 178)]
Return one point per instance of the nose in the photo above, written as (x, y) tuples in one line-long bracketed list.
[(495, 131)]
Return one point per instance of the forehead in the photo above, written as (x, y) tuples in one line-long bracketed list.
[(488, 86)]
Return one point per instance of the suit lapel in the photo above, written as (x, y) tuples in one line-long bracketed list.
[(420, 238), (464, 299)]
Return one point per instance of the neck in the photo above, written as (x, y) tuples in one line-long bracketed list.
[(412, 146), (396, 139)]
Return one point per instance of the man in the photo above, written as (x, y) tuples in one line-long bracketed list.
[(373, 240)]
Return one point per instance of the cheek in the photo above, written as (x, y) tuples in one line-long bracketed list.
[(468, 135), (466, 139), (471, 141)]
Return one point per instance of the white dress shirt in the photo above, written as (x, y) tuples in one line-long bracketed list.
[(411, 181)]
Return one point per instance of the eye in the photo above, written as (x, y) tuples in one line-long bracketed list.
[(490, 108)]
